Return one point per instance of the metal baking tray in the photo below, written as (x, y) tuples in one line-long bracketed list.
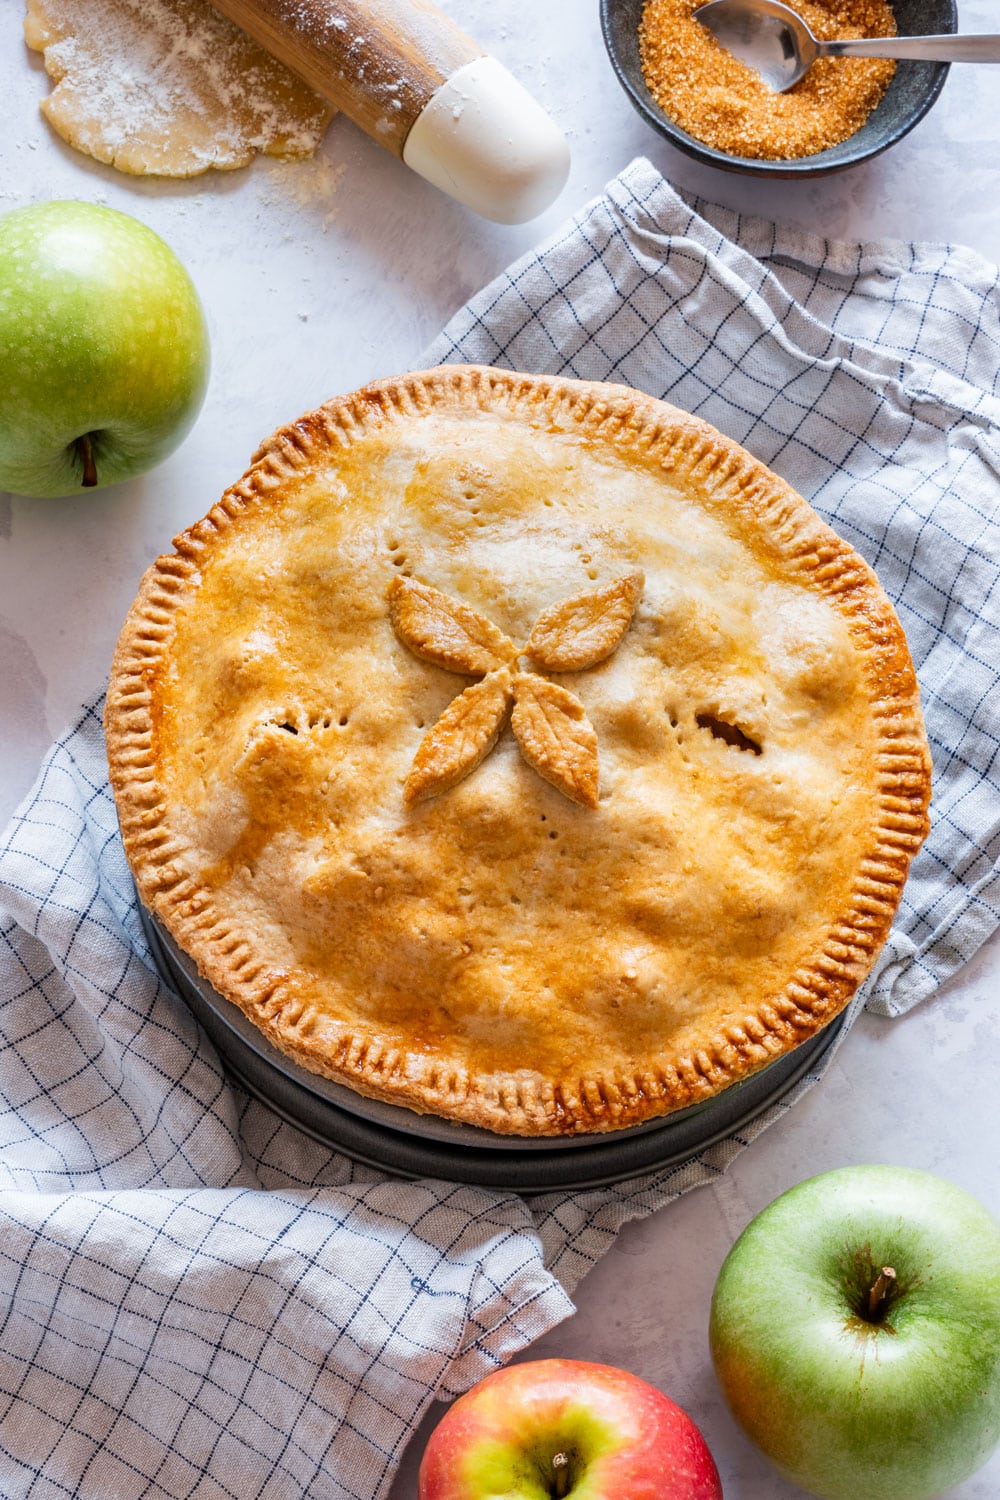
[(407, 1144)]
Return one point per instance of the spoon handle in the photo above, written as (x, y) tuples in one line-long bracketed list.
[(946, 48)]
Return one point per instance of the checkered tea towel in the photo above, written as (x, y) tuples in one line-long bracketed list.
[(199, 1301)]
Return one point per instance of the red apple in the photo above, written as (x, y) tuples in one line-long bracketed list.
[(562, 1427)]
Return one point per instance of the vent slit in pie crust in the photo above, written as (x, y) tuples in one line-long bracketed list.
[(519, 750)]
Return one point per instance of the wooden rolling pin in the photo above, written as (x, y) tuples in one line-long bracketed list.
[(423, 89)]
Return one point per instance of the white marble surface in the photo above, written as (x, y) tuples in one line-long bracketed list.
[(316, 277)]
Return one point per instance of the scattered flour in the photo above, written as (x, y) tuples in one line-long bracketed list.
[(313, 185), (168, 87)]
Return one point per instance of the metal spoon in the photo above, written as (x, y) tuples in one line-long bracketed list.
[(778, 44)]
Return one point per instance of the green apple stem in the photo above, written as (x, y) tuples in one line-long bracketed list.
[(560, 1464), (880, 1290), (86, 452)]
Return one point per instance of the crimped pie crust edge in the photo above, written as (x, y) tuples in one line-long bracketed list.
[(663, 435)]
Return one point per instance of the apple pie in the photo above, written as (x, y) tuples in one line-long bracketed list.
[(519, 750)]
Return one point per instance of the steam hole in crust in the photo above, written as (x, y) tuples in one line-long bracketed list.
[(730, 734), (306, 723)]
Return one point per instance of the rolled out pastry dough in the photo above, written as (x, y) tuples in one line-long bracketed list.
[(167, 87)]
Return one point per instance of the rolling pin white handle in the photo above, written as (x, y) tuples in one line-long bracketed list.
[(423, 89), (487, 142)]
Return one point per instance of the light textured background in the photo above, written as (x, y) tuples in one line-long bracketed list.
[(318, 276)]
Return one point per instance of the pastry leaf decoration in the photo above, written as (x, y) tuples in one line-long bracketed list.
[(555, 736), (581, 631), (463, 736), (445, 632), (549, 722)]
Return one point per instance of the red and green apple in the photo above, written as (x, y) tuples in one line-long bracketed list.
[(855, 1331), (103, 348), (553, 1428)]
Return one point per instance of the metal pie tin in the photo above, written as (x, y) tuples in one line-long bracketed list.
[(398, 1140)]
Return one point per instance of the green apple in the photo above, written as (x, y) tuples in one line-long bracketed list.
[(103, 348), (855, 1330), (565, 1429)]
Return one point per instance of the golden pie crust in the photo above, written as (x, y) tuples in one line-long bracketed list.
[(493, 948)]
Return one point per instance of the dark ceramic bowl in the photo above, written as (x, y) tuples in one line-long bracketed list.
[(909, 96)]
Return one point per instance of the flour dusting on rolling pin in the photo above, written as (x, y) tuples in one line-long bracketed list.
[(417, 84)]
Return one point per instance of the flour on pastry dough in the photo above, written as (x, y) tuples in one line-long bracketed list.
[(168, 87)]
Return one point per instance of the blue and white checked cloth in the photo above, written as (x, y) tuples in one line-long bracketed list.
[(199, 1301)]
